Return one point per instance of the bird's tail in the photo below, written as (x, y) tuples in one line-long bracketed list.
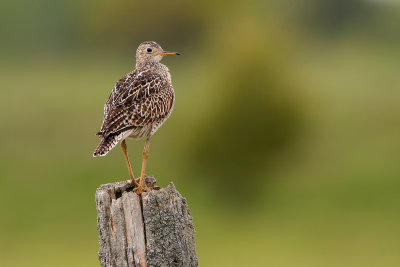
[(106, 144)]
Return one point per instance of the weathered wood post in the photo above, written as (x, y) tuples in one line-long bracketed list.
[(155, 229)]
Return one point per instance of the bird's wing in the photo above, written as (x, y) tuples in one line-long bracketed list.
[(137, 100)]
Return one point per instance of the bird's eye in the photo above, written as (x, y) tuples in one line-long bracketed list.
[(149, 50)]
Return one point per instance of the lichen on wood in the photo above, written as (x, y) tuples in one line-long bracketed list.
[(155, 229)]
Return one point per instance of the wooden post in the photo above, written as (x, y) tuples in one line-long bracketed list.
[(155, 229)]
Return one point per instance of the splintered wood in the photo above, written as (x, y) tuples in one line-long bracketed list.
[(155, 229)]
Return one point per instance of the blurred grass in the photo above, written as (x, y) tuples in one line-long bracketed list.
[(308, 176)]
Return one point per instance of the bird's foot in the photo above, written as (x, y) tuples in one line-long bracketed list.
[(146, 185), (140, 189), (140, 185)]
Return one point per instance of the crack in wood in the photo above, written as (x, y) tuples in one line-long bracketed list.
[(155, 229)]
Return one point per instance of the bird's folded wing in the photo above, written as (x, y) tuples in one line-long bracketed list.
[(137, 100)]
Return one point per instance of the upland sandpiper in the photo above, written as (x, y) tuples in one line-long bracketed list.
[(138, 105)]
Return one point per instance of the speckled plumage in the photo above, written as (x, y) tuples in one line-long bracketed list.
[(139, 103)]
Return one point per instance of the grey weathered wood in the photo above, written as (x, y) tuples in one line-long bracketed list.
[(155, 229), (120, 226)]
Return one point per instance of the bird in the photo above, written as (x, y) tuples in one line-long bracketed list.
[(140, 102)]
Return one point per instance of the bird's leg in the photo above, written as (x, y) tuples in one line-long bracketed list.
[(141, 188), (128, 163)]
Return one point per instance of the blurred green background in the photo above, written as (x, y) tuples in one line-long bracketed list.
[(285, 137)]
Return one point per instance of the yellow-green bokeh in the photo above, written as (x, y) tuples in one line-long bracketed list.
[(284, 139)]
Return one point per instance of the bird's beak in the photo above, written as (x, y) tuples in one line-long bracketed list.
[(166, 53)]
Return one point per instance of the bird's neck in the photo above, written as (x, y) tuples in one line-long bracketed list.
[(149, 64), (156, 67)]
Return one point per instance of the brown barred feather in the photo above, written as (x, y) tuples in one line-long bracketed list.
[(106, 145), (138, 105)]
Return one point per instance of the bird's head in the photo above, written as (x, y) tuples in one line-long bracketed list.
[(151, 52)]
